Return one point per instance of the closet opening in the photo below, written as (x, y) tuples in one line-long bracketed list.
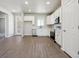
[(3, 25)]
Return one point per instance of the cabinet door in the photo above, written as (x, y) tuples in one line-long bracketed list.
[(55, 15), (48, 20), (58, 36), (52, 19)]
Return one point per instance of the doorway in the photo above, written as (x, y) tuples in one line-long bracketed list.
[(2, 25)]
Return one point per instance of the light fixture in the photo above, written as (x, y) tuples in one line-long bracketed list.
[(47, 2), (26, 2), (29, 10), (13, 10)]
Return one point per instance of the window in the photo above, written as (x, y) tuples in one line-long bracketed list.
[(40, 22)]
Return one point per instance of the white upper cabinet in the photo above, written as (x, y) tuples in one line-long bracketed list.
[(29, 18), (57, 13), (51, 18), (48, 20)]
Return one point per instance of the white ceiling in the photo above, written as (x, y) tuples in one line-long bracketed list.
[(36, 6)]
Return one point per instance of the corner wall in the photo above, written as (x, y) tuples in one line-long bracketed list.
[(10, 21)]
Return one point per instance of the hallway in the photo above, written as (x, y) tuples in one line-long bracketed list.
[(33, 47)]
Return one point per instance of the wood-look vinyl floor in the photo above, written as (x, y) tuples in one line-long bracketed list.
[(30, 47)]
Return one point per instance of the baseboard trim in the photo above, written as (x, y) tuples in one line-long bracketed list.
[(34, 35), (17, 35), (43, 36), (9, 36), (67, 54), (58, 44), (28, 35), (63, 50)]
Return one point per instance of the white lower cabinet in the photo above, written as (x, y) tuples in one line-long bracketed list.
[(58, 33)]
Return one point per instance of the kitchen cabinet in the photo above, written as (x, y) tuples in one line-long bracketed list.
[(58, 36), (30, 18), (57, 13), (51, 18), (48, 20)]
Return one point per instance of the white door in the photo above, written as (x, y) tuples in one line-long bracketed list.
[(27, 28), (70, 28)]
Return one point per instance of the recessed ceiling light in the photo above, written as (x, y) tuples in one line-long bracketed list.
[(29, 10), (26, 2), (13, 10), (47, 2)]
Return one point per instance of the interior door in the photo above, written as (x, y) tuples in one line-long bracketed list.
[(28, 28), (70, 25)]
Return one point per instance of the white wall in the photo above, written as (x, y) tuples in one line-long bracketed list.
[(10, 25), (70, 24), (18, 23), (2, 26)]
